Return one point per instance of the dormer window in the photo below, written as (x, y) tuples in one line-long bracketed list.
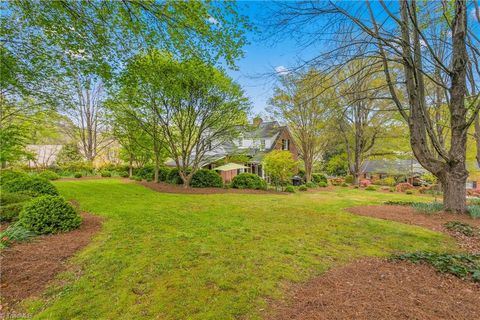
[(285, 144)]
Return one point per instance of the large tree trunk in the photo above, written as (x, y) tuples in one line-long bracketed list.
[(453, 185)]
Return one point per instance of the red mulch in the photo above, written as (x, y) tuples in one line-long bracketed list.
[(28, 267), (172, 188), (378, 289)]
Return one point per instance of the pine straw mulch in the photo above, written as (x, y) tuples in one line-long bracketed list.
[(374, 288), (27, 267)]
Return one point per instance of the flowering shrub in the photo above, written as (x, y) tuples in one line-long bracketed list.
[(404, 186), (365, 183)]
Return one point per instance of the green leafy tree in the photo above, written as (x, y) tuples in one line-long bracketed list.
[(280, 167)]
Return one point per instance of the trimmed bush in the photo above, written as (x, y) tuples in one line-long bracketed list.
[(49, 175), (310, 185), (318, 178), (322, 184), (146, 172), (33, 184), (345, 184), (302, 188), (163, 173), (371, 188), (78, 175), (404, 186), (365, 183), (409, 192), (290, 189), (248, 181), (123, 174), (206, 178), (106, 174), (49, 214), (8, 175), (10, 212), (173, 177), (7, 198), (349, 179)]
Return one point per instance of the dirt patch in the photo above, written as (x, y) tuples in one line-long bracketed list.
[(172, 188), (28, 267), (378, 289), (434, 222)]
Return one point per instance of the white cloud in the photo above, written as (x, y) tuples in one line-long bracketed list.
[(282, 70), (212, 20)]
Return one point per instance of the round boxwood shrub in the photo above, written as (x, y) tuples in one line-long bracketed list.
[(322, 184), (33, 184), (78, 175), (205, 178), (49, 214), (106, 174), (302, 188), (371, 188), (49, 175), (290, 189), (123, 174), (248, 181), (8, 175), (310, 185), (318, 178)]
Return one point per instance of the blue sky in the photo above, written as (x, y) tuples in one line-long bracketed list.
[(263, 56)]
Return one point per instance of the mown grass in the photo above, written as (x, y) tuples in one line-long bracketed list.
[(168, 256)]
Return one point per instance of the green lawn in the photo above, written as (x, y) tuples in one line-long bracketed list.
[(168, 256)]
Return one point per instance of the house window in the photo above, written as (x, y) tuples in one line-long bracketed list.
[(285, 144), (262, 144)]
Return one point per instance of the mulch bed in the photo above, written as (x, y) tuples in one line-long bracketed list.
[(380, 289), (28, 267), (172, 188)]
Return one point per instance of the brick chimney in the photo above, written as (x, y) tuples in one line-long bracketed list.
[(257, 121)]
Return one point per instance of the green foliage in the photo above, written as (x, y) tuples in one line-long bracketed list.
[(400, 203), (77, 175), (409, 192), (8, 175), (429, 178), (106, 174), (49, 175), (69, 154), (345, 184), (145, 172), (463, 228), (428, 207), (248, 181), (349, 179), (49, 214), (319, 178), (10, 212), (465, 266), (123, 174), (13, 197), (163, 173), (206, 178), (310, 185), (14, 233), (322, 184), (302, 188), (337, 165), (83, 167), (173, 177), (371, 188), (474, 211), (32, 184), (388, 181), (290, 189), (280, 166)]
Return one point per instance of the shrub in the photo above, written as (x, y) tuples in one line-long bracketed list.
[(146, 172), (173, 177), (388, 181), (319, 177), (49, 214), (310, 185), (7, 198), (123, 174), (163, 173), (399, 203), (290, 189), (345, 184), (392, 189), (349, 179), (323, 185), (77, 175), (205, 178), (15, 232), (356, 186), (365, 183), (49, 175), (409, 192), (302, 188), (10, 212), (136, 178), (427, 207), (465, 266), (461, 227), (106, 174), (371, 188), (33, 184), (474, 211), (8, 175), (404, 186), (337, 181), (248, 181)]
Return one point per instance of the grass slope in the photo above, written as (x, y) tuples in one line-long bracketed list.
[(168, 256)]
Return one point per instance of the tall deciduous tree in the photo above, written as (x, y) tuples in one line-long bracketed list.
[(196, 106), (304, 102), (396, 34)]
